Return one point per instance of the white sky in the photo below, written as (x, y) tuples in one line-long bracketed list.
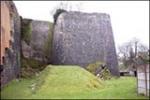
[(129, 18)]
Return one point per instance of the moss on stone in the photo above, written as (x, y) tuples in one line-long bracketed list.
[(47, 49), (26, 30), (30, 66)]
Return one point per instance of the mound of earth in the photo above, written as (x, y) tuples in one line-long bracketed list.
[(65, 79), (54, 82)]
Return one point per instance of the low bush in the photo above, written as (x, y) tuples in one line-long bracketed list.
[(104, 74), (94, 66), (100, 70)]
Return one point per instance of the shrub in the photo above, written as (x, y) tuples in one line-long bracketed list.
[(93, 66), (104, 74), (100, 70)]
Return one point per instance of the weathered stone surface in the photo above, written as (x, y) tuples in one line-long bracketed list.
[(11, 65), (36, 49), (82, 38), (26, 49)]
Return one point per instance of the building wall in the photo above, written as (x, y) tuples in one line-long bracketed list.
[(39, 44), (84, 38), (5, 29), (10, 42)]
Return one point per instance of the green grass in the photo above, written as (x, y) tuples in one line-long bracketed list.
[(70, 82)]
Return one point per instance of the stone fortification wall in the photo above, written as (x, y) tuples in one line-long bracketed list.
[(83, 38)]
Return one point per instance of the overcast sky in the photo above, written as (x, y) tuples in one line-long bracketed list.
[(129, 18)]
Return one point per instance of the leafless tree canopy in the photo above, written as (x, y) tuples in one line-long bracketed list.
[(68, 6), (131, 50), (134, 46)]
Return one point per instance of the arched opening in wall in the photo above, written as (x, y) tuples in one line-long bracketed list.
[(6, 50), (3, 60), (10, 43), (11, 14), (11, 10), (1, 65)]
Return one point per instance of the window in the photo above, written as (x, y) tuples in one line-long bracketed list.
[(3, 60), (10, 43), (6, 50)]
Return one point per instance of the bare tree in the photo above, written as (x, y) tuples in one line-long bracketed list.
[(68, 6), (142, 47), (135, 45), (124, 50), (130, 51)]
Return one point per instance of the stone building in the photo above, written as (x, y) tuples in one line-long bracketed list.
[(36, 39), (5, 30), (10, 42), (78, 39), (84, 38)]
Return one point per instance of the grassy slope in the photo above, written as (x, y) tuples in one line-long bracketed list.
[(70, 82)]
